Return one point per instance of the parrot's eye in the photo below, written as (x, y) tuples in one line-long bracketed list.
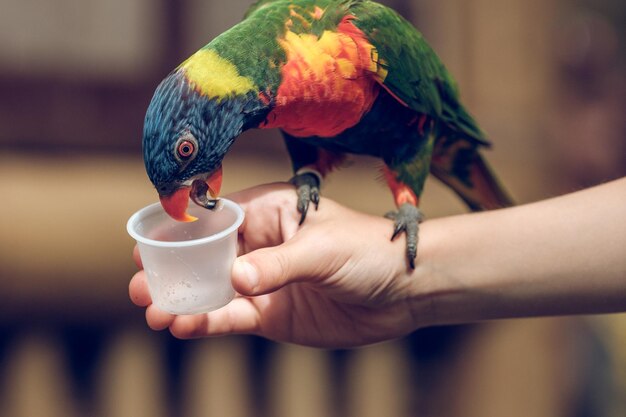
[(186, 148)]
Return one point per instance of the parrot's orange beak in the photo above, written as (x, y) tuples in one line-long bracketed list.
[(176, 204)]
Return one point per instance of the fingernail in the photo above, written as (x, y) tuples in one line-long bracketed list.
[(248, 272)]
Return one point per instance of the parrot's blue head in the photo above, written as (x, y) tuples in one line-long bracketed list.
[(185, 138)]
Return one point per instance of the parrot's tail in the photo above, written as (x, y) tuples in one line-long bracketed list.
[(463, 169)]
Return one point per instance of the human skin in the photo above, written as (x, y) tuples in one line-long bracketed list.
[(338, 280)]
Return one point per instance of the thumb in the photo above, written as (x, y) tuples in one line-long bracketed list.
[(268, 269)]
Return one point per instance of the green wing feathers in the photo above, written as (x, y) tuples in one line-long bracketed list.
[(417, 76)]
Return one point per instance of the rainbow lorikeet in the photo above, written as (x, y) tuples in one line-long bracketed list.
[(336, 77)]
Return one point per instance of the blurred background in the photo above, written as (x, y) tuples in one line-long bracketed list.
[(544, 78)]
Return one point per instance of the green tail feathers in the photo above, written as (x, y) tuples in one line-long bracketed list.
[(459, 165)]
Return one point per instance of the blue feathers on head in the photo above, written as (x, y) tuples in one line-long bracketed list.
[(177, 109)]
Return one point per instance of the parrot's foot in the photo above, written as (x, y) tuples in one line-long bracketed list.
[(407, 219), (308, 189)]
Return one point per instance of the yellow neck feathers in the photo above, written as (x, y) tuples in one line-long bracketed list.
[(215, 77)]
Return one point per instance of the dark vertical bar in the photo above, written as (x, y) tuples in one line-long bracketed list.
[(469, 46), (173, 19)]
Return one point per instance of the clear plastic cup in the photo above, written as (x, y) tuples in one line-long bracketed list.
[(188, 265)]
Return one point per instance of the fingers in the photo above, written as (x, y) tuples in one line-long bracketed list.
[(139, 294), (158, 319), (268, 269), (240, 316), (138, 290)]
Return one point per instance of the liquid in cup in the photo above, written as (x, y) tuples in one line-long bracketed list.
[(188, 265)]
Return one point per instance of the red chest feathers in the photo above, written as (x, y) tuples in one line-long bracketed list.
[(328, 83)]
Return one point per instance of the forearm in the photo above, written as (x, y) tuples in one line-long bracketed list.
[(566, 255)]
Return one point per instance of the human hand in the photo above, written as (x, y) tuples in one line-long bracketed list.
[(335, 281)]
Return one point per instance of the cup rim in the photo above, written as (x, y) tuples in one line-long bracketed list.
[(132, 221)]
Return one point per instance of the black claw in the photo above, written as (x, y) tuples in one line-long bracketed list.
[(302, 215), (315, 197), (398, 227)]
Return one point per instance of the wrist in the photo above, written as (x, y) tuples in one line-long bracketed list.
[(438, 294), (426, 284)]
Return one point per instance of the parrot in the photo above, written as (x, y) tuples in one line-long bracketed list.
[(336, 77)]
